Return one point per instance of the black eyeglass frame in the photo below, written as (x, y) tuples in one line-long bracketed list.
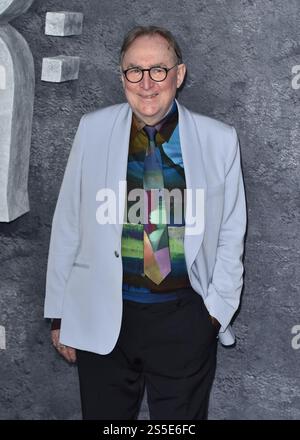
[(166, 69)]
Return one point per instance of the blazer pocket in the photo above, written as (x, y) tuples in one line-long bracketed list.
[(84, 265)]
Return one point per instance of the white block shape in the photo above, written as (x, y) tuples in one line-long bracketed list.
[(60, 68), (63, 23), (2, 338)]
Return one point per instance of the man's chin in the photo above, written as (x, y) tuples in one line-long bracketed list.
[(150, 117)]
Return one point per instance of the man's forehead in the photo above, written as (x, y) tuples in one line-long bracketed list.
[(153, 46)]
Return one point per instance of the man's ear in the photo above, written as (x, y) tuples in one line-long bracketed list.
[(180, 74), (122, 77)]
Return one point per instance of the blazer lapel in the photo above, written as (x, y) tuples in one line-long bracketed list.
[(117, 162), (195, 182)]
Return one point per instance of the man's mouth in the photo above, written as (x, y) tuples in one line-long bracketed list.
[(153, 95)]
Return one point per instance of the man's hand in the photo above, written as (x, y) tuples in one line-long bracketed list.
[(68, 353), (215, 322)]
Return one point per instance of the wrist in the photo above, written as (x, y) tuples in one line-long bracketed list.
[(55, 324)]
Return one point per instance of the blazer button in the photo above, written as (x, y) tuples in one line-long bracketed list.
[(117, 254)]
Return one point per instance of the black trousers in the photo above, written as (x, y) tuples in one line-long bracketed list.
[(168, 347)]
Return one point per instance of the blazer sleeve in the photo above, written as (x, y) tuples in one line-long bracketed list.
[(225, 287), (64, 239)]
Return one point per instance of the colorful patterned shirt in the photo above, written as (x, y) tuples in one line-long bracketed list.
[(135, 284)]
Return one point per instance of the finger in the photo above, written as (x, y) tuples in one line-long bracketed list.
[(67, 352), (60, 347), (55, 337), (72, 354), (62, 350)]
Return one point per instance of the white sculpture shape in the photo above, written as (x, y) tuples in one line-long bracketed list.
[(60, 68), (10, 9), (2, 338), (2, 78), (16, 109), (63, 23)]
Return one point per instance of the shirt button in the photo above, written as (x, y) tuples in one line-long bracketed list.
[(117, 254)]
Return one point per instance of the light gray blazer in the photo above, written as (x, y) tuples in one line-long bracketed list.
[(84, 273)]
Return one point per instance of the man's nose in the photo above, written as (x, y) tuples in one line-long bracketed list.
[(146, 82)]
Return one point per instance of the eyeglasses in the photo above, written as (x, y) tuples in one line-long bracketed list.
[(158, 74)]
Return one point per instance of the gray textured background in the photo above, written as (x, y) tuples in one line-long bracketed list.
[(239, 56)]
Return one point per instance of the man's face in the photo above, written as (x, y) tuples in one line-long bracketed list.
[(148, 99)]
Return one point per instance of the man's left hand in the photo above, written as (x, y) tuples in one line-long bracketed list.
[(69, 353)]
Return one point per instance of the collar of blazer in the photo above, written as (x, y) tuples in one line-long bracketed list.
[(190, 140)]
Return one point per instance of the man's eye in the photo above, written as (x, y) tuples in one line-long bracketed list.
[(157, 69), (135, 70)]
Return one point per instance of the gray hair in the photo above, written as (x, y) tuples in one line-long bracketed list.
[(140, 31)]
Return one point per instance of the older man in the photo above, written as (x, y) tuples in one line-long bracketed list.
[(142, 293)]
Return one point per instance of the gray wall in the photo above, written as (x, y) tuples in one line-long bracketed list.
[(239, 55)]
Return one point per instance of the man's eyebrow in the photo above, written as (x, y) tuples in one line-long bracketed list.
[(133, 65), (159, 65)]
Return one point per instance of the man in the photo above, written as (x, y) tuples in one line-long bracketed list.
[(143, 302)]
